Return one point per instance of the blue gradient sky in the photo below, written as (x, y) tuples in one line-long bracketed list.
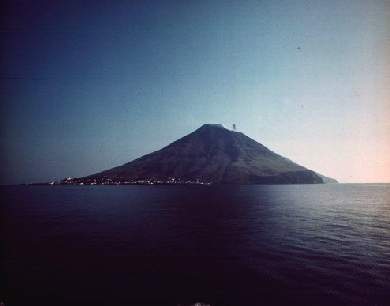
[(86, 86)]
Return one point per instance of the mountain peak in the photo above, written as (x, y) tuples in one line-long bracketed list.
[(212, 125), (211, 154)]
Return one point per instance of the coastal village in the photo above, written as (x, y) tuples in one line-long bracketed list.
[(127, 181)]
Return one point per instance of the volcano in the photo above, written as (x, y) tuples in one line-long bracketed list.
[(211, 154)]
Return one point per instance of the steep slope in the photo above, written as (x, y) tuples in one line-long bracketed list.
[(212, 154)]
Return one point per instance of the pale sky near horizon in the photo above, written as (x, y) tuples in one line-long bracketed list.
[(89, 85)]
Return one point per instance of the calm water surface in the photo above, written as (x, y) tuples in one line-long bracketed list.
[(171, 245)]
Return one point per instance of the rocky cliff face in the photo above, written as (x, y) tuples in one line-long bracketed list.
[(213, 154)]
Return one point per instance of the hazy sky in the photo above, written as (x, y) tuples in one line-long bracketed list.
[(86, 86)]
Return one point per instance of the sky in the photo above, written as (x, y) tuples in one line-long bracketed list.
[(89, 85)]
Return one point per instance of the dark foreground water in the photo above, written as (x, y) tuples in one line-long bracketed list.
[(170, 245)]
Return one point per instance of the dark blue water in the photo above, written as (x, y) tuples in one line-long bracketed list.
[(170, 245)]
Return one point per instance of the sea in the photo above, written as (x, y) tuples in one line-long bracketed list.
[(181, 245)]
